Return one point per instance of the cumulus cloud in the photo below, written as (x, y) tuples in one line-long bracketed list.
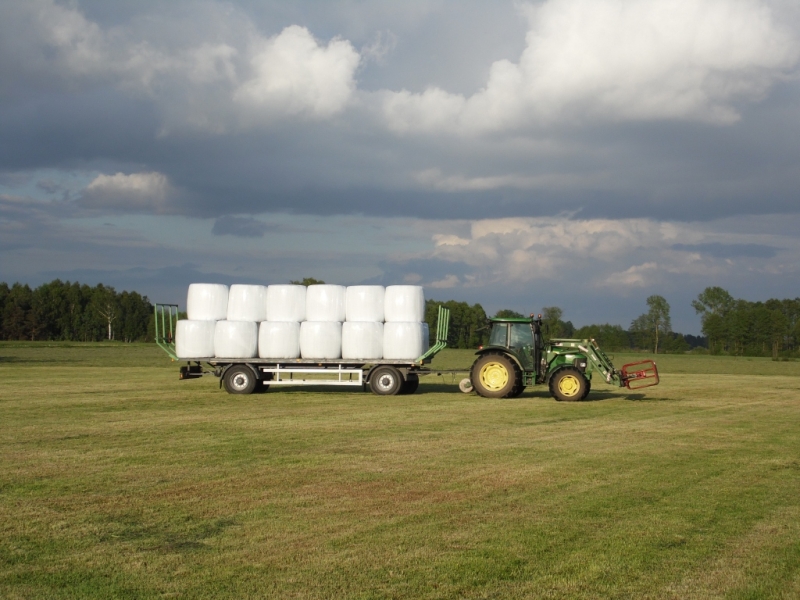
[(617, 60), (621, 254), (136, 192), (293, 74)]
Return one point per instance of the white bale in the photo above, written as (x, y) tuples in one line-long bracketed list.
[(320, 339), (279, 339), (405, 341), (325, 303), (404, 304), (247, 303), (286, 302), (364, 303), (362, 339), (194, 339), (236, 339), (207, 302)]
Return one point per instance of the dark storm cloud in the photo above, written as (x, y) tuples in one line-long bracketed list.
[(239, 227), (352, 164)]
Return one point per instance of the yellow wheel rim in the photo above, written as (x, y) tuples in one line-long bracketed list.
[(569, 386), (494, 376)]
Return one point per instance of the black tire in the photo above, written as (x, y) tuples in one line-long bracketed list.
[(386, 381), (588, 389), (239, 379), (494, 375), (262, 385), (568, 385), (411, 384), (517, 391)]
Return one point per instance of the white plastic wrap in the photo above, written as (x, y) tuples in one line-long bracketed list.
[(207, 302), (247, 303), (236, 339), (325, 303), (320, 339), (194, 339), (279, 339), (362, 339), (286, 303), (404, 304), (405, 341), (364, 303)]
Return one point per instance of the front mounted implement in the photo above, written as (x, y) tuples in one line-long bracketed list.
[(638, 375)]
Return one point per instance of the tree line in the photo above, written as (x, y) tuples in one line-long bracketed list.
[(79, 312), (651, 331), (743, 328), (73, 312)]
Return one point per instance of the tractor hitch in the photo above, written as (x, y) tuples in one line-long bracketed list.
[(638, 375)]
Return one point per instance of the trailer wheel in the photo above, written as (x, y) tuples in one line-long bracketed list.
[(494, 375), (568, 385), (411, 384), (239, 379), (386, 381)]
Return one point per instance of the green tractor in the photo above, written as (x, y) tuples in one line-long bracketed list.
[(517, 357)]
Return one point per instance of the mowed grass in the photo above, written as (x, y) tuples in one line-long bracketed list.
[(119, 481)]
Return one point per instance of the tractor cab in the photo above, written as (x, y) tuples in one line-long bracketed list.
[(520, 337)]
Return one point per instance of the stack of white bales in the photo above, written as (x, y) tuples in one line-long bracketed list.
[(292, 321)]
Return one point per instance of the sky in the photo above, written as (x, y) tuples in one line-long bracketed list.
[(584, 154)]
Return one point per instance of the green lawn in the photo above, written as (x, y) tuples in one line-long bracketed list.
[(119, 481)]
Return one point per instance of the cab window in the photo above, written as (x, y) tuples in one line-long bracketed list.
[(498, 335), (521, 335)]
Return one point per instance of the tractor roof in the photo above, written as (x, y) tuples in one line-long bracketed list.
[(510, 319)]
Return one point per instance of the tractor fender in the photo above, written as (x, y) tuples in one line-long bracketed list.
[(561, 367), (500, 350)]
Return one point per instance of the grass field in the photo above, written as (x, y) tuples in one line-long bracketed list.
[(119, 481)]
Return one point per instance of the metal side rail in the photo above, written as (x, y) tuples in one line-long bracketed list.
[(442, 330), (166, 321)]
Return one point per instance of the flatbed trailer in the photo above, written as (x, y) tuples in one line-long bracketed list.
[(384, 377)]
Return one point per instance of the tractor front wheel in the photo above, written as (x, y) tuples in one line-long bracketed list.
[(494, 375), (569, 385)]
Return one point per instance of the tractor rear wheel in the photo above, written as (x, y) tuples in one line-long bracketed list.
[(494, 375), (568, 385)]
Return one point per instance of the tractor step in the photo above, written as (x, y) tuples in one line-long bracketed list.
[(639, 375)]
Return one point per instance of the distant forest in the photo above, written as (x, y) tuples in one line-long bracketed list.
[(73, 312), (64, 311)]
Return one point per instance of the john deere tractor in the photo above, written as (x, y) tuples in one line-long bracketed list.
[(517, 357)]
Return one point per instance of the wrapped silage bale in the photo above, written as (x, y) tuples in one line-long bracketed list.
[(404, 304), (236, 339), (279, 339), (207, 302), (247, 303), (362, 339), (321, 339), (286, 302), (194, 339), (325, 302), (364, 303), (404, 341)]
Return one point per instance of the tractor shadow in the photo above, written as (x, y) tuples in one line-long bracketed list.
[(540, 392)]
